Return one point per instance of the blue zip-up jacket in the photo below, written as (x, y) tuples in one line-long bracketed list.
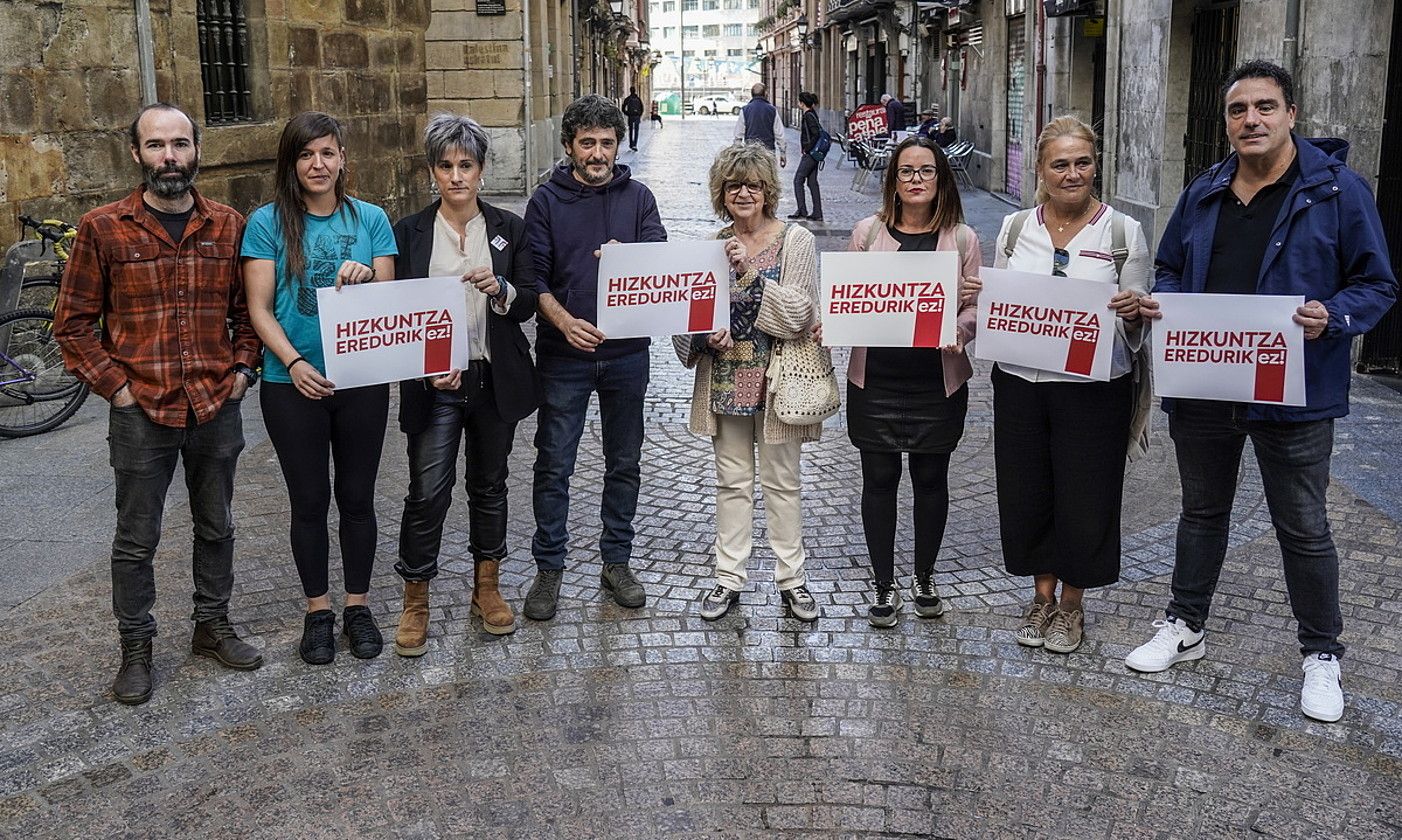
[(1327, 244), (566, 222)]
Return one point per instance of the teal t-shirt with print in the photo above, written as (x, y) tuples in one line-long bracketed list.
[(328, 241)]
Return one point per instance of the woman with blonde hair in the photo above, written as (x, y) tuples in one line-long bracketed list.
[(911, 400), (773, 300), (1060, 439)]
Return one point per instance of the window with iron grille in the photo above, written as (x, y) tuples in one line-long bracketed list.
[(223, 32)]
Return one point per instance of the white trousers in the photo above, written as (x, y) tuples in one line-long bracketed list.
[(736, 441)]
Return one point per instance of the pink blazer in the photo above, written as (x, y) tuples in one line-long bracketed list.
[(957, 369)]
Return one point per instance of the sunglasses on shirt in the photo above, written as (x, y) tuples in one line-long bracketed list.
[(1060, 259)]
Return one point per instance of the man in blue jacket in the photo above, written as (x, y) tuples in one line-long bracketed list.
[(1282, 216), (589, 200)]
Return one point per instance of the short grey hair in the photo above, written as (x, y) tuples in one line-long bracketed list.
[(446, 132)]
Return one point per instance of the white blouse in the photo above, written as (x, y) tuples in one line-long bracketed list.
[(1091, 259), (454, 257)]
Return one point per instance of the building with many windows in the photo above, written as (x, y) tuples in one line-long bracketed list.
[(703, 47)]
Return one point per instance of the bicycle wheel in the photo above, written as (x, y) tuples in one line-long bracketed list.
[(36, 392), (39, 292)]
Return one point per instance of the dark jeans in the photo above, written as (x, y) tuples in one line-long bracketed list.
[(433, 455), (633, 123), (144, 455), (807, 173), (621, 384), (1208, 438), (881, 480), (347, 427)]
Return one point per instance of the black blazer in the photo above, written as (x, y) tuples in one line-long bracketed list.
[(514, 377)]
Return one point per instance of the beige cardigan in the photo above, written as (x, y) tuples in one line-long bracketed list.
[(787, 310)]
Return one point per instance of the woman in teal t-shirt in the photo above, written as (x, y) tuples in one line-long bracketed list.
[(313, 236)]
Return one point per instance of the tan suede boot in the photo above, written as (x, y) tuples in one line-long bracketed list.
[(487, 602), (411, 639)]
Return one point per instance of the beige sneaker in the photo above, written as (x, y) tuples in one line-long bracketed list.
[(1034, 623), (1065, 631)]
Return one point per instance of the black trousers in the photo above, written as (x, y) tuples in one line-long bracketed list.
[(633, 123), (433, 455), (807, 174), (1059, 455), (881, 479), (348, 428)]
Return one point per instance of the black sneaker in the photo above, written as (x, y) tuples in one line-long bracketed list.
[(798, 215), (886, 608), (544, 596), (318, 645), (358, 626), (926, 599), (618, 580), (800, 603), (133, 683), (717, 601)]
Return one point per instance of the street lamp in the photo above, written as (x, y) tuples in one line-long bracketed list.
[(803, 27), (616, 6)]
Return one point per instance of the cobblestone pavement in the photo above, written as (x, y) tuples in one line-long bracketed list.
[(652, 722)]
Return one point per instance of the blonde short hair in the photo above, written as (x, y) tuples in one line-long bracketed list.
[(745, 164), (1055, 130)]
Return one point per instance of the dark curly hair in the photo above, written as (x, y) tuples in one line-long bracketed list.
[(591, 111), (1262, 69)]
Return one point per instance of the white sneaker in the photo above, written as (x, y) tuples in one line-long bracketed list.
[(1175, 642), (1322, 695)]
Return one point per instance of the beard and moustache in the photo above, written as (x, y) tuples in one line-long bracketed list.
[(581, 169), (170, 188)]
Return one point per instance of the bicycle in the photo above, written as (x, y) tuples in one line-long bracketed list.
[(37, 393), (57, 235)]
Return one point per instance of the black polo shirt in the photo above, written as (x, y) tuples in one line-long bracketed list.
[(1243, 234)]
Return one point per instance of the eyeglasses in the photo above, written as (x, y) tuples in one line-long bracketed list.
[(906, 174), (734, 189), (1060, 259)]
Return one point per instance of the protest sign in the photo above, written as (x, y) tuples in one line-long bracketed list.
[(867, 122), (1060, 324), (399, 329), (1242, 348), (650, 289), (889, 298)]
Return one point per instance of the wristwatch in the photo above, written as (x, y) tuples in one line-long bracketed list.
[(500, 296), (248, 372)]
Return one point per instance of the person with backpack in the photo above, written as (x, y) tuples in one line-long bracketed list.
[(633, 110), (1060, 440), (895, 404), (813, 151)]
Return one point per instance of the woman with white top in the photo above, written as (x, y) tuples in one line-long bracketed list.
[(1060, 439)]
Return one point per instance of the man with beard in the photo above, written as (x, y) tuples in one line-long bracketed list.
[(158, 270), (588, 201)]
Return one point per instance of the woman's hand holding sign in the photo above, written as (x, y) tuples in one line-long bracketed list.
[(483, 280), (1126, 305), (352, 272), (969, 288), (309, 380), (449, 381), (720, 341), (738, 254)]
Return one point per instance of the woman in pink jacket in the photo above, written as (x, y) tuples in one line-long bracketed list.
[(911, 400)]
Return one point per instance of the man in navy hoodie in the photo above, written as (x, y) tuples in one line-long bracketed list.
[(1283, 215), (589, 200)]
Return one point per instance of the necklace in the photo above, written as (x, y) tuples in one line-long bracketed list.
[(1061, 228)]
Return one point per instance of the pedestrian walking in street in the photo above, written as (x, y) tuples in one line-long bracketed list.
[(461, 235), (656, 116), (313, 235), (759, 122), (589, 200), (633, 110), (773, 300), (809, 131), (911, 401), (1282, 215), (152, 316), (1059, 439)]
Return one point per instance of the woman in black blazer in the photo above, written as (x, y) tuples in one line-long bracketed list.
[(487, 247)]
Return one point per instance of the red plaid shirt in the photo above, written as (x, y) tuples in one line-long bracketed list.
[(166, 308)]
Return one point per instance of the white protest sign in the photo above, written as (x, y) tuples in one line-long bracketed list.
[(1060, 324), (889, 298), (392, 330), (1242, 348), (649, 289)]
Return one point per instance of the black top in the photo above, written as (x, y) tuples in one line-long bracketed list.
[(944, 139), (924, 241), (808, 131), (633, 106), (174, 223), (1243, 234)]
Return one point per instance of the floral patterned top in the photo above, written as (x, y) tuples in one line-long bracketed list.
[(737, 376)]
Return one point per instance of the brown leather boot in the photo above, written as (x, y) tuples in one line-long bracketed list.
[(497, 617), (411, 639)]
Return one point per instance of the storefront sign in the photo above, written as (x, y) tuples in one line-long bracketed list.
[(1060, 324), (1242, 348), (866, 122), (491, 7), (889, 298), (399, 329), (654, 289)]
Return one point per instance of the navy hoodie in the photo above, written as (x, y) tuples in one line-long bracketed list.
[(566, 222)]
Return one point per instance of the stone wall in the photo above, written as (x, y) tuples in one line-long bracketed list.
[(69, 84)]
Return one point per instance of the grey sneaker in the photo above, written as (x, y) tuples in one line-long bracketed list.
[(1034, 623), (886, 608), (800, 602), (1065, 630), (544, 596), (923, 595), (716, 602), (617, 579)]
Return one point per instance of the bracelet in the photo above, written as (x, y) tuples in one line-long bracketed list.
[(295, 361)]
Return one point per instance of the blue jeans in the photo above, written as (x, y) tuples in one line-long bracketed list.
[(1208, 438), (621, 384)]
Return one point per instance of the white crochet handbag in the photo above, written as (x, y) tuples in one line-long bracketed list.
[(802, 384)]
